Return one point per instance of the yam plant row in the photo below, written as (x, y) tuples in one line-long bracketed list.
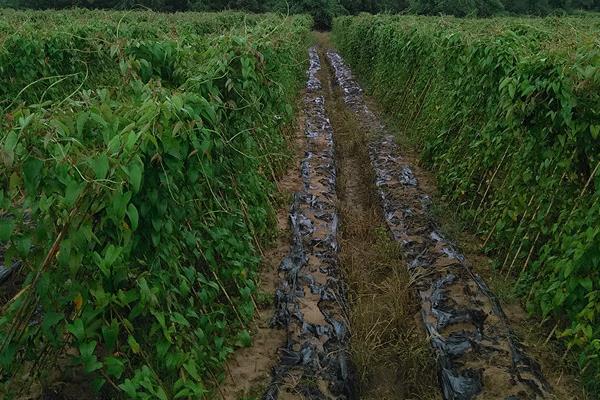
[(507, 114), (137, 158)]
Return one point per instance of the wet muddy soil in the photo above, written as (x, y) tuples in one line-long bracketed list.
[(310, 298)]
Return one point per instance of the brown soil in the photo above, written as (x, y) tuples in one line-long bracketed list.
[(536, 335), (390, 351)]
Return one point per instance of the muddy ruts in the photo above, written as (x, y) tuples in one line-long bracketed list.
[(479, 357), (313, 363)]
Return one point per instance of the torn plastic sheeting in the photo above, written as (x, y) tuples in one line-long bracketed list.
[(407, 177), (313, 84), (477, 352), (7, 272), (464, 386), (310, 300)]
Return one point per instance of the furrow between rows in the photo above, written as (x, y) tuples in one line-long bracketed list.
[(310, 300)]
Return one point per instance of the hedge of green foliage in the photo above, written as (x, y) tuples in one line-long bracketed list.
[(135, 203), (323, 10), (507, 113), (41, 57)]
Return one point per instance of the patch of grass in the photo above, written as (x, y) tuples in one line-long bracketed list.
[(390, 350), (264, 299)]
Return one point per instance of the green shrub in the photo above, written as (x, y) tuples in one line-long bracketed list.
[(135, 209)]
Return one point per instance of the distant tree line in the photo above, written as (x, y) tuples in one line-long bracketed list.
[(324, 10)]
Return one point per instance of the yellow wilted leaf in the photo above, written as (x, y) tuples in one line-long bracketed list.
[(78, 302)]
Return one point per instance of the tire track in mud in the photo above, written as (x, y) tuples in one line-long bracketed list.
[(478, 355), (310, 300)]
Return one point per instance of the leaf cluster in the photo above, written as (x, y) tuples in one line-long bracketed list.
[(135, 206)]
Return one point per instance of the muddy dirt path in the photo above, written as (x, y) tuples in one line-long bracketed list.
[(310, 300), (372, 301), (301, 346), (390, 352), (478, 354), (248, 371)]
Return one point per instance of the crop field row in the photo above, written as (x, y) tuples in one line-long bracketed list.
[(506, 112), (42, 56), (148, 160), (137, 158)]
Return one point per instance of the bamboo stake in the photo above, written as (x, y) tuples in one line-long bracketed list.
[(406, 91), (421, 101), (514, 239), (479, 188), (484, 217), (551, 334), (239, 317), (522, 241), (491, 232), (490, 183), (570, 215), (587, 183), (216, 383), (537, 236), (25, 311), (532, 219)]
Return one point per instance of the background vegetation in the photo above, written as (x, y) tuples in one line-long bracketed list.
[(324, 10), (506, 113)]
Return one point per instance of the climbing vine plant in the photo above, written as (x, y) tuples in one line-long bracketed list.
[(133, 202)]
